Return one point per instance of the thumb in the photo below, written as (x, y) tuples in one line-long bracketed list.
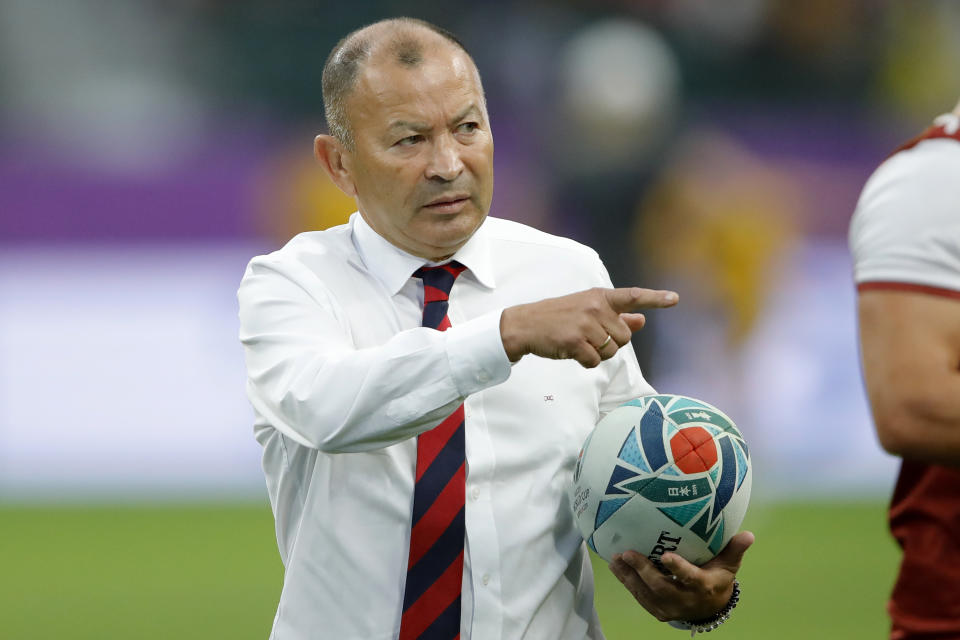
[(632, 298), (732, 554), (634, 321), (729, 559)]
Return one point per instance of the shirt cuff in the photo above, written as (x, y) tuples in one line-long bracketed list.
[(476, 354)]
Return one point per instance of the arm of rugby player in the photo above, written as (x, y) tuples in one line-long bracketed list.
[(910, 351)]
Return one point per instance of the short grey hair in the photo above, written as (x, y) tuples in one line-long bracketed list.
[(346, 60)]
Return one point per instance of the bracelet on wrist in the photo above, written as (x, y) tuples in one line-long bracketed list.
[(711, 623)]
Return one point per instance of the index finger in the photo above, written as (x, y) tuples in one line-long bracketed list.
[(628, 299)]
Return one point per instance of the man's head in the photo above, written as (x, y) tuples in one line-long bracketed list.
[(411, 140)]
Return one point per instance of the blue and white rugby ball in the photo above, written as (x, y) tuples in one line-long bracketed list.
[(662, 473)]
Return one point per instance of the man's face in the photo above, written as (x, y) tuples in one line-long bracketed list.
[(422, 163)]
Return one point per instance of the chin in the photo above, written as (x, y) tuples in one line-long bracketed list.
[(453, 231), (443, 246)]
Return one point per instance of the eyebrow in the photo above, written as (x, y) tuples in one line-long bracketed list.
[(464, 113), (422, 126)]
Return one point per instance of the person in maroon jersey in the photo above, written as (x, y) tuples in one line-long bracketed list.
[(905, 240)]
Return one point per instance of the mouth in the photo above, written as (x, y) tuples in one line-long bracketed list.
[(450, 203)]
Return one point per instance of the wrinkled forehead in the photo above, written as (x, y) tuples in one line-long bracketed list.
[(386, 83)]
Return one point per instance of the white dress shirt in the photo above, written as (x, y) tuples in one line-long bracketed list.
[(342, 377)]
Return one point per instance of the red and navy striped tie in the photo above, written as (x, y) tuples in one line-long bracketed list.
[(431, 600)]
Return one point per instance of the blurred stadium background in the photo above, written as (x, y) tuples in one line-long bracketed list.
[(149, 149)]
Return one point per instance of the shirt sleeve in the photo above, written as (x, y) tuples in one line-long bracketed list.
[(306, 378), (906, 227)]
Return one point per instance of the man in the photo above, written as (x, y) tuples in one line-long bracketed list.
[(416, 460), (905, 240)]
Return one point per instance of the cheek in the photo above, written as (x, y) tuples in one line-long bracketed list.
[(401, 174), (391, 184), (484, 173), (485, 160)]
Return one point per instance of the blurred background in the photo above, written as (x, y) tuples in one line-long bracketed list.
[(149, 149)]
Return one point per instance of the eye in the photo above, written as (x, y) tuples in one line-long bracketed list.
[(409, 140), (468, 127)]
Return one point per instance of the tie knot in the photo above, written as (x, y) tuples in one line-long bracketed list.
[(437, 281)]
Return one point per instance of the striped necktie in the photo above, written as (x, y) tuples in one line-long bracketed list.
[(431, 600)]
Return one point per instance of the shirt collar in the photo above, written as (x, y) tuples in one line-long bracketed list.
[(393, 266)]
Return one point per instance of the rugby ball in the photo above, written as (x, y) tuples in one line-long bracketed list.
[(662, 473)]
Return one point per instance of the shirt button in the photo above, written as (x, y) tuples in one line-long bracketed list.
[(475, 494), (485, 579), (482, 377)]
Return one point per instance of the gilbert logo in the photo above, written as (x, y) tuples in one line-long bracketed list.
[(664, 543)]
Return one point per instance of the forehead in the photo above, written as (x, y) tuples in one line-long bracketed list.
[(443, 82)]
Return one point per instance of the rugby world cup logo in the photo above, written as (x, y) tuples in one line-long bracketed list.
[(579, 467)]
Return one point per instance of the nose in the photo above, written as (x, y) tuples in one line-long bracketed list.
[(445, 163)]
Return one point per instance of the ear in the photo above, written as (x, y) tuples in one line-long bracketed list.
[(333, 158)]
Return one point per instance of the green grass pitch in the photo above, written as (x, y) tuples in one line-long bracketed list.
[(212, 571)]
